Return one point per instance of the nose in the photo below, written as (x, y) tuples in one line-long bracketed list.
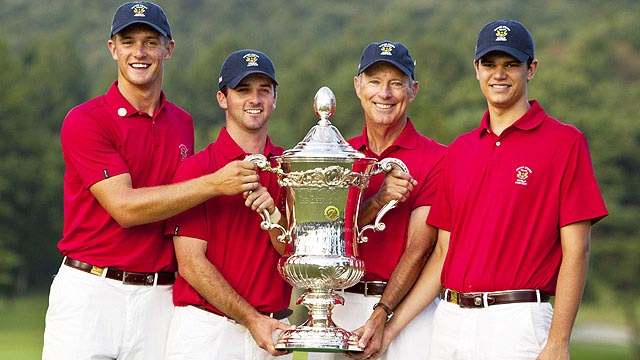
[(500, 72), (385, 91), (254, 97), (139, 50)]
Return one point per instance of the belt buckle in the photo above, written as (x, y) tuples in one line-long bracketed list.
[(453, 298), (149, 279), (96, 270), (366, 287)]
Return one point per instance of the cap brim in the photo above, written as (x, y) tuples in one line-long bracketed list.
[(519, 55), (236, 80), (394, 63), (156, 27)]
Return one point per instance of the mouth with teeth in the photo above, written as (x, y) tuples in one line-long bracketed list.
[(253, 111), (139, 66), (383, 106)]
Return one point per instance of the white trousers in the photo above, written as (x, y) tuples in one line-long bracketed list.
[(412, 342), (90, 317), (509, 332), (196, 334)]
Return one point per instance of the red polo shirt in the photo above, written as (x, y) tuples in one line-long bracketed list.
[(504, 200), (104, 137), (237, 246), (423, 159)]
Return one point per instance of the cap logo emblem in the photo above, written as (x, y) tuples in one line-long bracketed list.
[(522, 174), (251, 59), (501, 33), (386, 48), (138, 10)]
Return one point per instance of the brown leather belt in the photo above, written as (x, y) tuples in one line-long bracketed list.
[(279, 315), (481, 300), (368, 288), (127, 277)]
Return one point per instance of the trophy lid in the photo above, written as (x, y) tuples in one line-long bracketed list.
[(323, 140)]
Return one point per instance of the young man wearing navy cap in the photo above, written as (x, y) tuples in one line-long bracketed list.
[(230, 299), (386, 85), (111, 298), (514, 211)]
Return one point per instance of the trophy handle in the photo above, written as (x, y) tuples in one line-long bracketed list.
[(260, 160), (385, 165), (266, 224)]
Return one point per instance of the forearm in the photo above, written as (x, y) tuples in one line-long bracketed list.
[(131, 206), (146, 205), (205, 278), (421, 239), (406, 272), (424, 291), (368, 211), (570, 287), (279, 219)]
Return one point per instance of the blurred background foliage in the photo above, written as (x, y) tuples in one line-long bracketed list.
[(53, 55)]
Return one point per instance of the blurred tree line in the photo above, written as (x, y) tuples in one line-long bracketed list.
[(54, 56)]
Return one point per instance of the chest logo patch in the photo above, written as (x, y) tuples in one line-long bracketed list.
[(184, 152), (522, 175)]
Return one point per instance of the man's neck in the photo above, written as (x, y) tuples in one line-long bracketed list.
[(381, 137), (144, 99), (251, 142), (502, 118)]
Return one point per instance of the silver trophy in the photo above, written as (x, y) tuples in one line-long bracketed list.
[(323, 177)]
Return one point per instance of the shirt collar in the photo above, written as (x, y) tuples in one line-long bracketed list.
[(122, 107), (230, 150), (529, 121), (406, 140)]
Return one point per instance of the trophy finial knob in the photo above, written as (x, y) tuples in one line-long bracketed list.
[(324, 103)]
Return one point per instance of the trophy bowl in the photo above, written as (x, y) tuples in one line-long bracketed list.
[(323, 178)]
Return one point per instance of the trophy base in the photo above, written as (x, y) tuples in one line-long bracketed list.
[(314, 339)]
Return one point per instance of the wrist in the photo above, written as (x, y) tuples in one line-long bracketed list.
[(275, 216), (387, 310)]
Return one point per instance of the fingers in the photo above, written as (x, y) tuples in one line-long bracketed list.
[(259, 200)]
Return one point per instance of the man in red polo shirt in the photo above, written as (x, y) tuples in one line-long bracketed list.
[(111, 298), (386, 85), (230, 299), (514, 211)]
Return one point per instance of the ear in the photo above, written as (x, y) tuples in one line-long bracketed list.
[(170, 47), (112, 49), (413, 91), (476, 64), (531, 70), (222, 100), (357, 80)]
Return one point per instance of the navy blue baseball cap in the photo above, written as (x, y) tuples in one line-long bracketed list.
[(140, 12), (242, 63), (394, 53), (508, 36)]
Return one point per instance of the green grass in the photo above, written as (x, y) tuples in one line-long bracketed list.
[(579, 351), (22, 326)]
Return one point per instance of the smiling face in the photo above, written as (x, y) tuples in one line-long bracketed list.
[(249, 105), (503, 79), (385, 92), (140, 52)]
